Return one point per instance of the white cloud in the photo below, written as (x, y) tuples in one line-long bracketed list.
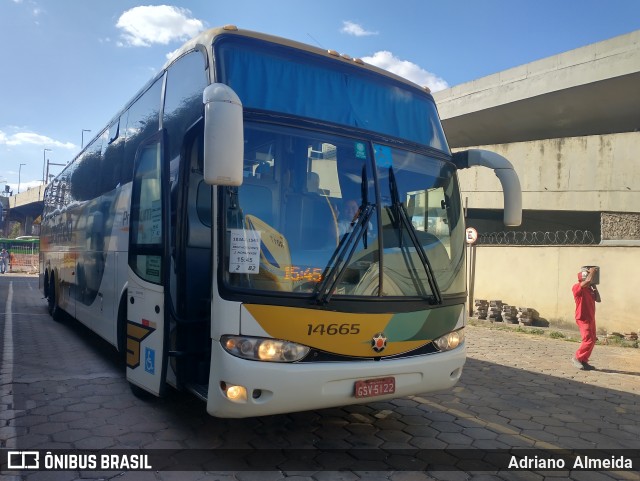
[(33, 7), (352, 28), (30, 138), (146, 25), (406, 69), (171, 54)]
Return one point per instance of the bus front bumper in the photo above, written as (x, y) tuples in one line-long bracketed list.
[(275, 388)]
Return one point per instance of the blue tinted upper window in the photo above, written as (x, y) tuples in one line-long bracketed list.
[(278, 78)]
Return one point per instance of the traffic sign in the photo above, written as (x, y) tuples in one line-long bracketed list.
[(471, 235)]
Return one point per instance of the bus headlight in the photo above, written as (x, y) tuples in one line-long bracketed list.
[(263, 349), (450, 341)]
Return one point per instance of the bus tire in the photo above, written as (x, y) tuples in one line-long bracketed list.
[(52, 301), (46, 285), (122, 331), (140, 393)]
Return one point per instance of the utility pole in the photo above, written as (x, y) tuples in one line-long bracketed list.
[(44, 163), (19, 176)]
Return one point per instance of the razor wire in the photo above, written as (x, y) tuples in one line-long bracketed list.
[(537, 238)]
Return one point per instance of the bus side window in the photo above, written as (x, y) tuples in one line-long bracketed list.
[(142, 122), (84, 185), (186, 80), (113, 152)]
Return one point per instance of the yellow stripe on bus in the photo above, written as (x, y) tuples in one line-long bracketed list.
[(349, 334)]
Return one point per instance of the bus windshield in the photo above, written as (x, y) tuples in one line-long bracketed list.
[(304, 193)]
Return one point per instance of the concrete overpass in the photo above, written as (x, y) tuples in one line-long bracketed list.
[(570, 123), (592, 90), (25, 207)]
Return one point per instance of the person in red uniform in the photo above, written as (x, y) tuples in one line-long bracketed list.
[(586, 295)]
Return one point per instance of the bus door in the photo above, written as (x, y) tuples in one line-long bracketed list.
[(147, 324)]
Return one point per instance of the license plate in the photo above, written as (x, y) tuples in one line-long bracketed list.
[(375, 387)]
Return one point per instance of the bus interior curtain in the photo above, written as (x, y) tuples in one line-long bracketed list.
[(305, 85)]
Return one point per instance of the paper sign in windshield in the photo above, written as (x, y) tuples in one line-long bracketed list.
[(244, 251)]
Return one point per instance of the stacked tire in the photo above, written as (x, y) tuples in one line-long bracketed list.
[(527, 316), (510, 314), (494, 312), (481, 308)]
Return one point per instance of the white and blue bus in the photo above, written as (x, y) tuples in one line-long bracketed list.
[(271, 226)]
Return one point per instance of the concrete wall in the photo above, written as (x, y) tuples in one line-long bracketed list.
[(593, 173), (30, 196), (541, 278), (620, 226)]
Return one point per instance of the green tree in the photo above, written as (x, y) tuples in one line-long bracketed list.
[(15, 230)]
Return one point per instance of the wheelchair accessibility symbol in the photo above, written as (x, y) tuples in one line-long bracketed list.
[(149, 360)]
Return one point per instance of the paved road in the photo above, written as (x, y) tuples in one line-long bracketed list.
[(61, 387)]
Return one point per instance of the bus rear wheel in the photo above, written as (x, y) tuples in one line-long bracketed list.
[(52, 302)]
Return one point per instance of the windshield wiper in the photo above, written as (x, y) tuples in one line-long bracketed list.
[(337, 265), (402, 217)]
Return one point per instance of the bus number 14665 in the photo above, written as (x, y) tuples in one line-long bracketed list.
[(332, 329)]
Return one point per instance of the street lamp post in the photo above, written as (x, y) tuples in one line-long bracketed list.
[(44, 164), (19, 175), (83, 131)]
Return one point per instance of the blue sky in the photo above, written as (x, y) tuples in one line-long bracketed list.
[(69, 65)]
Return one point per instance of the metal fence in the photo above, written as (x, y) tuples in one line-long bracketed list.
[(23, 254), (537, 238)]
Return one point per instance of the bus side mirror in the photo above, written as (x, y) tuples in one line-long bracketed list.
[(506, 174), (223, 136)]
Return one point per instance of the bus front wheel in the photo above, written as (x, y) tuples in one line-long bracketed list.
[(140, 393)]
